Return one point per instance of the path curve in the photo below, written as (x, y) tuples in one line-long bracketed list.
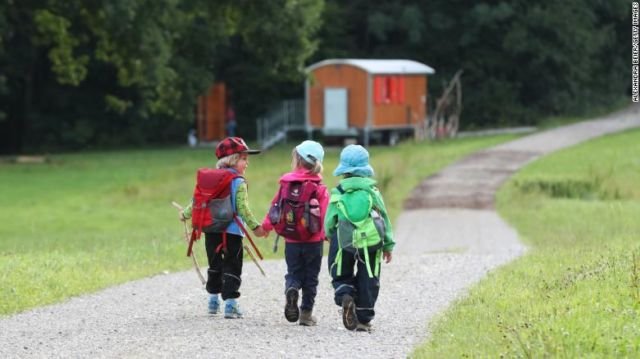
[(448, 237)]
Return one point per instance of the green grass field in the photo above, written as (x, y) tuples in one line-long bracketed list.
[(87, 221), (576, 293)]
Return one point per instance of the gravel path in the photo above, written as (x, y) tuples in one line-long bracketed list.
[(448, 238)]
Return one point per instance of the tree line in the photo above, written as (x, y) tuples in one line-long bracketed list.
[(82, 74)]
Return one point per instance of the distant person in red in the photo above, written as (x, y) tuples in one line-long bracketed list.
[(230, 125)]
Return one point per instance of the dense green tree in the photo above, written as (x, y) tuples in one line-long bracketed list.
[(75, 73), (78, 73), (522, 59), (85, 73), (264, 62)]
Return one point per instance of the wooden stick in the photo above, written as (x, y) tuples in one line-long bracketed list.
[(196, 267), (253, 258)]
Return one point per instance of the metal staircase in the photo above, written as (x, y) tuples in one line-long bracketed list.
[(273, 128)]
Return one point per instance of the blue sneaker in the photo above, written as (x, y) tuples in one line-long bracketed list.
[(232, 309), (214, 304)]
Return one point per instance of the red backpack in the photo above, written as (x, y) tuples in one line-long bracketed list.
[(212, 210), (295, 214)]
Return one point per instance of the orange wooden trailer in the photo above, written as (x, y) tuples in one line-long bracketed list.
[(366, 98)]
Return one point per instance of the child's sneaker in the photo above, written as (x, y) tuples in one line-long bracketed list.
[(291, 310), (307, 319), (349, 318), (214, 304), (232, 309)]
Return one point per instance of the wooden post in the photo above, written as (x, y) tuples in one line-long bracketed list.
[(211, 112)]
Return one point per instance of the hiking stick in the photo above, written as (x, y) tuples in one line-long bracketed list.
[(246, 249), (244, 230), (186, 230), (188, 241), (196, 267)]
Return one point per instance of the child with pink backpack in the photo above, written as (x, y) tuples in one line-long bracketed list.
[(297, 214)]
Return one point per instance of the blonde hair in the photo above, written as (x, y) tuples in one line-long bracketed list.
[(228, 161), (298, 162)]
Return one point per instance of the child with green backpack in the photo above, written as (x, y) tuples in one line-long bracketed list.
[(360, 237)]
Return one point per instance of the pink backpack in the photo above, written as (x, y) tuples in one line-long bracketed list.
[(295, 214)]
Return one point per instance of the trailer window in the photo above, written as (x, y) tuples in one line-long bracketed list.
[(389, 90)]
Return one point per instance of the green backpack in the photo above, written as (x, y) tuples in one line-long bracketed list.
[(358, 237)]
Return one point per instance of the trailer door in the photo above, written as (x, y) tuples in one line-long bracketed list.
[(335, 109)]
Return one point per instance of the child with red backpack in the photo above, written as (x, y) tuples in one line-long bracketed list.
[(297, 214), (220, 209), (360, 235)]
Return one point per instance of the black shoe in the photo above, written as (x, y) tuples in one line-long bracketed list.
[(291, 310), (349, 318)]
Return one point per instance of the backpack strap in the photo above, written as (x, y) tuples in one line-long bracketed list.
[(223, 244), (233, 199), (337, 201), (338, 261), (378, 262), (367, 263)]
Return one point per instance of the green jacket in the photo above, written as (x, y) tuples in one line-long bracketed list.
[(331, 218)]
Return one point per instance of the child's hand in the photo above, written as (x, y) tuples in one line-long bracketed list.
[(181, 215), (387, 256), (260, 232)]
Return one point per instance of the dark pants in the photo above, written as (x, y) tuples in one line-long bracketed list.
[(225, 265), (359, 285), (303, 266)]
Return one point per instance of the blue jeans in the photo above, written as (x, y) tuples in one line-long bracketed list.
[(358, 285), (303, 267)]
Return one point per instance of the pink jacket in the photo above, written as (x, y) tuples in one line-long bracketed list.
[(323, 199)]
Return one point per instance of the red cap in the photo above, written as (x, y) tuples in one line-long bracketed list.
[(231, 145)]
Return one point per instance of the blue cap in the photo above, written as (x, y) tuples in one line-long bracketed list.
[(354, 159), (310, 151)]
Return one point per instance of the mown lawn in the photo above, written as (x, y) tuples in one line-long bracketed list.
[(87, 221), (576, 293)]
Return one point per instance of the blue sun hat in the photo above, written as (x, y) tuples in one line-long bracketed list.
[(354, 159), (310, 151)]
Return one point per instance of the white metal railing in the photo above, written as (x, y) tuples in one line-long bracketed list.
[(282, 118)]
